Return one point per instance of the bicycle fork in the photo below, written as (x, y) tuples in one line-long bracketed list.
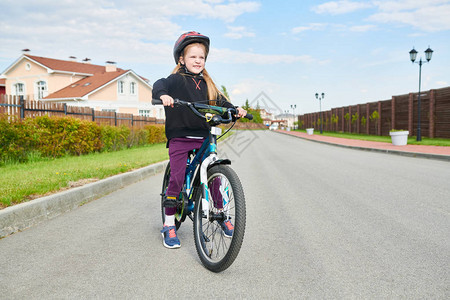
[(204, 181), (212, 157)]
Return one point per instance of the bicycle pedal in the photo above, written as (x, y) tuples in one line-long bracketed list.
[(206, 239)]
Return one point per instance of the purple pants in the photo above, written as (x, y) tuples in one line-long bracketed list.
[(178, 153)]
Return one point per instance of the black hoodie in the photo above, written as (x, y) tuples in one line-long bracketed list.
[(180, 120)]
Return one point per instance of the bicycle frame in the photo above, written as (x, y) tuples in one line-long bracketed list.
[(205, 157)]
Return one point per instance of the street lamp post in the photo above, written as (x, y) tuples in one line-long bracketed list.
[(293, 106), (412, 56), (321, 116)]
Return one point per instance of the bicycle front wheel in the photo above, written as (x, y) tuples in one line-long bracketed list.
[(216, 247)]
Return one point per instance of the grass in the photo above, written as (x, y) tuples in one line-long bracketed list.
[(384, 139), (23, 182)]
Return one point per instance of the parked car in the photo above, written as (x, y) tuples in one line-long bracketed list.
[(274, 126)]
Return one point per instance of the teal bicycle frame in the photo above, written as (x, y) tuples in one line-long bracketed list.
[(205, 157)]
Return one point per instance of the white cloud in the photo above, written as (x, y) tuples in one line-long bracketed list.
[(226, 12), (310, 27), (106, 30), (238, 32), (221, 55), (428, 16), (362, 28), (250, 87), (340, 7)]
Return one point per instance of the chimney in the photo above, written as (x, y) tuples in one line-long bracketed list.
[(72, 58), (110, 66)]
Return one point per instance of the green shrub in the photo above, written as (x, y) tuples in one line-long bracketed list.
[(17, 139), (156, 134), (137, 137), (34, 138), (61, 136), (114, 138)]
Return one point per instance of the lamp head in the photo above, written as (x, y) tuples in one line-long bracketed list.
[(428, 53), (413, 54)]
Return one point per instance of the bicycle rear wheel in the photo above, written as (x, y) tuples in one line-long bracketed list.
[(226, 202)]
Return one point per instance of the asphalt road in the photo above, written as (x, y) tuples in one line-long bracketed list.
[(322, 222)]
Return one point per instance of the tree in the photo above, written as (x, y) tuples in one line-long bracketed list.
[(374, 118), (225, 92)]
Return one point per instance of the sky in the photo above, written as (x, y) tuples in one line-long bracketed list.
[(353, 51)]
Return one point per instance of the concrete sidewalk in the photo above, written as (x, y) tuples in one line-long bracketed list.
[(433, 152)]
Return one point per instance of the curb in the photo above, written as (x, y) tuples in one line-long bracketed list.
[(24, 215), (396, 152)]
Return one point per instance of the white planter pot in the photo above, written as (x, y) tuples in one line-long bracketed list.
[(399, 138), (310, 131)]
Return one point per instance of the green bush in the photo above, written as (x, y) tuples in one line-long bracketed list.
[(156, 134), (61, 136), (137, 137), (114, 138), (17, 139), (55, 137)]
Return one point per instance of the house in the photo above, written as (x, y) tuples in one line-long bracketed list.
[(266, 117), (106, 87), (2, 86)]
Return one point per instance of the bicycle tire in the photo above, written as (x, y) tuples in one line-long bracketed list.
[(165, 184), (216, 251)]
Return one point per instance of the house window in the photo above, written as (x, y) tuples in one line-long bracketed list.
[(144, 113), (41, 89), (19, 89), (121, 87), (133, 87), (109, 109)]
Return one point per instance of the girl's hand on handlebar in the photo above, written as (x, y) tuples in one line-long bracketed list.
[(167, 100), (241, 112)]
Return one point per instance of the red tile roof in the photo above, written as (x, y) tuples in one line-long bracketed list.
[(67, 66), (2, 81), (86, 85)]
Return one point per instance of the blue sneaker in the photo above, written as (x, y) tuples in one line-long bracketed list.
[(170, 239), (227, 228)]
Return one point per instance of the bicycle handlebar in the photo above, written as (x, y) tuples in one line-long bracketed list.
[(196, 106)]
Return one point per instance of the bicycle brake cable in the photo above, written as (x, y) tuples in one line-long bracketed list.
[(227, 130)]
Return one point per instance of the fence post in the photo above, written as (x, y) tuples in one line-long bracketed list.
[(393, 113), (22, 107), (93, 115), (367, 118), (65, 109), (132, 120), (432, 111), (115, 119), (410, 114), (358, 122), (379, 119)]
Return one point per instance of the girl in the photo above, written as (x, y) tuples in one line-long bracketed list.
[(189, 81)]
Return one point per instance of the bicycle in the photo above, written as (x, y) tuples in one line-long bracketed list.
[(212, 192)]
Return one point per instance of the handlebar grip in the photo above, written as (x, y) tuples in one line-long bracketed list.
[(157, 102), (249, 116)]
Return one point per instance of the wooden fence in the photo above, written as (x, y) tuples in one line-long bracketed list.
[(378, 118), (22, 108)]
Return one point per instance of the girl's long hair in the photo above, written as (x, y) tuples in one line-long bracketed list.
[(213, 92)]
